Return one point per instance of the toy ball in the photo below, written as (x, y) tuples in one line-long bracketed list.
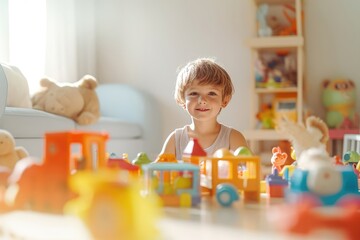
[(243, 151)]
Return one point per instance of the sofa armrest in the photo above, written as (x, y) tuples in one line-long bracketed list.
[(3, 90), (128, 103)]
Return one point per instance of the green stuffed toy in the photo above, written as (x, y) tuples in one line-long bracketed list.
[(339, 99)]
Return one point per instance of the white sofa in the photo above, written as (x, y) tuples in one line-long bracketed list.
[(130, 116)]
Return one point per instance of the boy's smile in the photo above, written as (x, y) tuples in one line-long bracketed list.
[(202, 109), (203, 101)]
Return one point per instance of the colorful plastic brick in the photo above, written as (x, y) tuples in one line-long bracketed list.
[(276, 185)]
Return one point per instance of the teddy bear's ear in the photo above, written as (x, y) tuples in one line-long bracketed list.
[(88, 81), (47, 82)]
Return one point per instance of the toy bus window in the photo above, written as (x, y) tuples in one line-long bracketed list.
[(94, 155), (247, 170), (242, 170), (224, 169), (77, 159), (183, 180), (205, 168), (251, 170)]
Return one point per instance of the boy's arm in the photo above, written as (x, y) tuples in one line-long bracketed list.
[(169, 145), (237, 140)]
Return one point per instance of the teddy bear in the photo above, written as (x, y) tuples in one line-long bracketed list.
[(77, 101), (339, 99), (9, 153)]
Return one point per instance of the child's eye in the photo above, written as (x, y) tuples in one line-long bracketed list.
[(193, 94), (212, 94)]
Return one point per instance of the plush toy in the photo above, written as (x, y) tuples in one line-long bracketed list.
[(77, 101), (314, 134), (339, 99), (9, 153)]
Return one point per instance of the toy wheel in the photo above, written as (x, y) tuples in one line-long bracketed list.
[(226, 194), (224, 198)]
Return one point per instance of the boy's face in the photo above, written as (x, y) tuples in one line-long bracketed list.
[(204, 102)]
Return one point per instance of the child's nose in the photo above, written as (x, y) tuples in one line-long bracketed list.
[(201, 100)]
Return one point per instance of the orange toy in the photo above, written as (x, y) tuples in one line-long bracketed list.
[(224, 175), (43, 187), (242, 172), (292, 28)]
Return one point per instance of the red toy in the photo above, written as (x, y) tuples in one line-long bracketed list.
[(275, 185)]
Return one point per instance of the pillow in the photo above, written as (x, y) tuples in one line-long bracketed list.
[(18, 88)]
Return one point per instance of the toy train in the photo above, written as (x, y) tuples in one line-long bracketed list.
[(75, 174)]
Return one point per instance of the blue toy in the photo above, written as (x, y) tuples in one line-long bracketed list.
[(226, 194), (340, 182)]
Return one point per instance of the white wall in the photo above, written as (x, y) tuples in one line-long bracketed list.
[(4, 27), (143, 42)]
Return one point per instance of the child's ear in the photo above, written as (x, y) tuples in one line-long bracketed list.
[(225, 102)]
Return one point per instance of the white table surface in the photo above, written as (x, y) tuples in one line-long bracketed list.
[(207, 221)]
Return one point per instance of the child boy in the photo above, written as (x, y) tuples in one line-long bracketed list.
[(202, 89)]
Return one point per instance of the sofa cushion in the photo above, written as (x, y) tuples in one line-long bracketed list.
[(116, 128), (31, 123)]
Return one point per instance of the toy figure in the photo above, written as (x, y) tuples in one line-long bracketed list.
[(339, 99), (352, 158), (292, 28), (278, 158)]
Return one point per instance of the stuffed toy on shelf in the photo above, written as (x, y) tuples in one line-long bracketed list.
[(339, 99)]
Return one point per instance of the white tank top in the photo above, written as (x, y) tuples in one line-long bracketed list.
[(182, 139)]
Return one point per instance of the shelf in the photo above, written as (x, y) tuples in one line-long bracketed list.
[(277, 74), (276, 90), (276, 42), (264, 134)]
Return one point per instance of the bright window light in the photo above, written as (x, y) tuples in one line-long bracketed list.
[(27, 38)]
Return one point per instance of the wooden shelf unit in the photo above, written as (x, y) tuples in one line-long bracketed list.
[(293, 43)]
